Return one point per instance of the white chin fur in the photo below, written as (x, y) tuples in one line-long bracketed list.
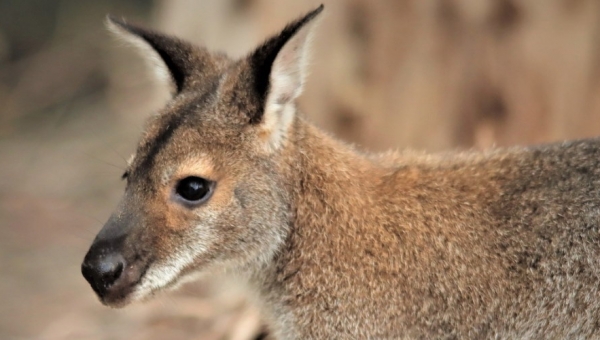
[(167, 274)]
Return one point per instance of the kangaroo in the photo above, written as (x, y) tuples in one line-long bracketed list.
[(338, 243)]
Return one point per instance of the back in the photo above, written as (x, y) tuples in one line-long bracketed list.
[(468, 246)]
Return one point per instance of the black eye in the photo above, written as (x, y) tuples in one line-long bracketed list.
[(193, 189)]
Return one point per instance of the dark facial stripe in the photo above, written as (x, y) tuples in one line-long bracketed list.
[(174, 122)]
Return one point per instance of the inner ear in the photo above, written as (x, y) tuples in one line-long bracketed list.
[(279, 65)]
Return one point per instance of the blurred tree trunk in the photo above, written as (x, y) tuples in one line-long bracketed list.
[(428, 74)]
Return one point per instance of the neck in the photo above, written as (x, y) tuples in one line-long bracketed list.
[(325, 178), (328, 183)]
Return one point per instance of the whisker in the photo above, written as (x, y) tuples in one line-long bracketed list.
[(92, 131), (85, 240), (90, 229), (122, 168)]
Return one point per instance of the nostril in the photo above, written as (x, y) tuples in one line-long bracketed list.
[(110, 269), (118, 271), (103, 271), (113, 274)]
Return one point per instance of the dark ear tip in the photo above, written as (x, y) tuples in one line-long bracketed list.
[(315, 12), (308, 17)]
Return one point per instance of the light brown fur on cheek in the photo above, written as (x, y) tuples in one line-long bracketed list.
[(176, 215)]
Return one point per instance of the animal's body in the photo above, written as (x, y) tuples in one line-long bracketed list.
[(336, 243)]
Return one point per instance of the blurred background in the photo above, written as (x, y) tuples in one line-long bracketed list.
[(424, 74)]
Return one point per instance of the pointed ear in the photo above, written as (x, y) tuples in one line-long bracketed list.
[(173, 60), (279, 69)]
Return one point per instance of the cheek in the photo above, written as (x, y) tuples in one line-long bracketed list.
[(228, 224), (246, 219), (176, 216), (221, 199), (217, 209), (166, 216), (200, 227)]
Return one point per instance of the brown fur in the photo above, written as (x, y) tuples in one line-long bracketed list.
[(341, 244)]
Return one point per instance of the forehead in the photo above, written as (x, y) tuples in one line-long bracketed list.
[(212, 117), (169, 135)]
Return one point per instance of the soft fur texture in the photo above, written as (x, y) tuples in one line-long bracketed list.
[(339, 244)]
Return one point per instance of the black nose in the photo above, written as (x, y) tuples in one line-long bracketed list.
[(102, 272)]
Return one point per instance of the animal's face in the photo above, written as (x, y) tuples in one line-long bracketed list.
[(203, 188)]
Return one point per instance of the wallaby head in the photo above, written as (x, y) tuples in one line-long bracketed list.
[(203, 188)]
